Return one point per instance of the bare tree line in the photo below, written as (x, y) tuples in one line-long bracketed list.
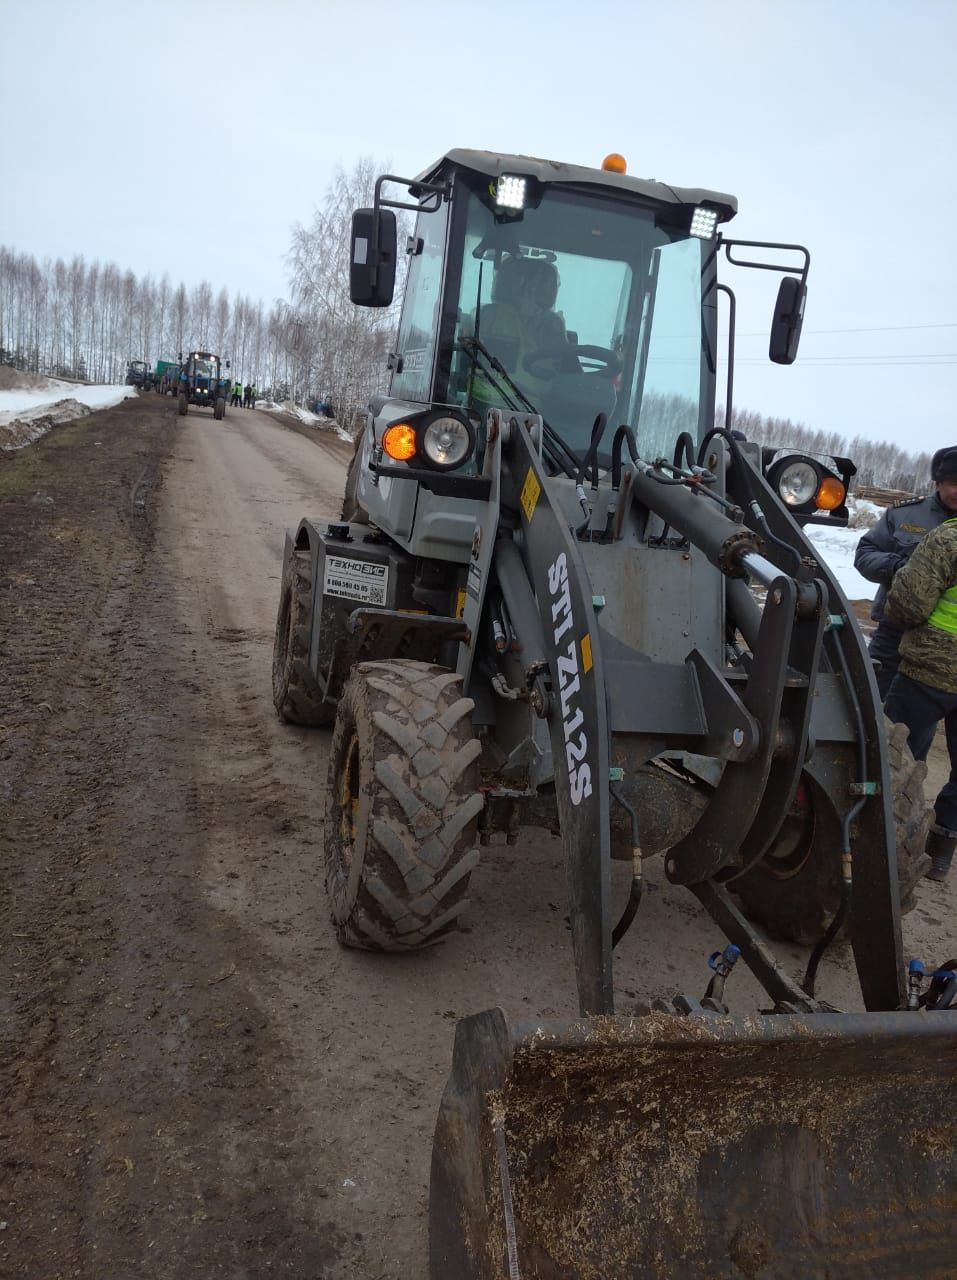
[(879, 462), (87, 320)]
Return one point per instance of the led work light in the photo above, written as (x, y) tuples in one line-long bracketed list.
[(510, 192), (703, 223)]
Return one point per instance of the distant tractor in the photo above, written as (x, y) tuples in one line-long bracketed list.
[(201, 382), (138, 375)]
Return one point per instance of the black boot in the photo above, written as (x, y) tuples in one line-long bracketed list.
[(940, 849)]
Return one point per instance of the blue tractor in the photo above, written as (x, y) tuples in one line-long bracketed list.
[(201, 381)]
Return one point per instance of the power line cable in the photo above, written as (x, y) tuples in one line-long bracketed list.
[(878, 328), (873, 362)]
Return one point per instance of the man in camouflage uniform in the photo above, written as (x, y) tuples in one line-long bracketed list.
[(883, 549), (923, 600)]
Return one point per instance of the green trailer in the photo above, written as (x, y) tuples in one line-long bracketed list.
[(166, 376)]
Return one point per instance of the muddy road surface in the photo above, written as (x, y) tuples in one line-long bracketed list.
[(196, 1080)]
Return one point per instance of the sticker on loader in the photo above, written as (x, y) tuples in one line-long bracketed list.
[(356, 580), (569, 681), (530, 492)]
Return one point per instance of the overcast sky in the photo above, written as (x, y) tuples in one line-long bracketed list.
[(188, 138)]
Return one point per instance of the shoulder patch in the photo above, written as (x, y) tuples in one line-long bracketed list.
[(907, 502)]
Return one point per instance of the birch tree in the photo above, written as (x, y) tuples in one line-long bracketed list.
[(342, 346)]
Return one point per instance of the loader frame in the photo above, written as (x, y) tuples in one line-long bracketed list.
[(589, 613)]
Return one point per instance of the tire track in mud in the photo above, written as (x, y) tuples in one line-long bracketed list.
[(147, 1129)]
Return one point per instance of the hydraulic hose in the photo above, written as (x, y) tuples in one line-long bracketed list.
[(836, 924), (637, 876), (590, 460), (753, 505), (623, 435), (684, 450)]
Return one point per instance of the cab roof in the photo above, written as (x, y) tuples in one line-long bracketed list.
[(494, 164)]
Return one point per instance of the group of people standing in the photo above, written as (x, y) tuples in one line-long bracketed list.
[(912, 554), (243, 396)]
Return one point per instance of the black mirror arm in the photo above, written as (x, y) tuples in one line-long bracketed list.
[(438, 191), (728, 245), (788, 316)]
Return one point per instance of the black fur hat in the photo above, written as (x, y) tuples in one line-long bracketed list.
[(943, 465)]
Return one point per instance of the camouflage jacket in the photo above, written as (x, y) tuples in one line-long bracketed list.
[(928, 654), (883, 549)]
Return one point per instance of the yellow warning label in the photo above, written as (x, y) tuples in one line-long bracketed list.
[(586, 655), (530, 492), (460, 605)]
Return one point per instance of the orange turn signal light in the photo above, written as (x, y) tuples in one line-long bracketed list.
[(614, 163), (399, 441), (830, 494)]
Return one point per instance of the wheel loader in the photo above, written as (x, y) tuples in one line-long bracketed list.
[(560, 596)]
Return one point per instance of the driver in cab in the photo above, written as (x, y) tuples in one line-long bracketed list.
[(521, 318)]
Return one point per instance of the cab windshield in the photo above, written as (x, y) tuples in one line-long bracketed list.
[(203, 368), (590, 307)]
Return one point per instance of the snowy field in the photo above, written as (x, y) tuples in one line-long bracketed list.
[(28, 412), (835, 546), (26, 400)]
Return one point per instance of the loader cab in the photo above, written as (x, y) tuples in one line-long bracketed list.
[(581, 300)]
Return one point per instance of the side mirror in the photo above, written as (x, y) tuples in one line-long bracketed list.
[(227, 364), (372, 266), (787, 321)]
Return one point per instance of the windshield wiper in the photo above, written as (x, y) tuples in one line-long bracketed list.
[(552, 442)]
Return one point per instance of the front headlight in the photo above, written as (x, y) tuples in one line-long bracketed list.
[(447, 442), (797, 484)]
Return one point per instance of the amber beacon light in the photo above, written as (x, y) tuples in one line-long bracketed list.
[(614, 163)]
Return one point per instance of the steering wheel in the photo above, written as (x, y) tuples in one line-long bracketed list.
[(546, 362)]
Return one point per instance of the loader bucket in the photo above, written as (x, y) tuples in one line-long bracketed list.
[(817, 1145)]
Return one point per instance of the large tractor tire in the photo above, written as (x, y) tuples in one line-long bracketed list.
[(795, 891), (351, 510), (219, 409), (297, 696), (183, 405), (402, 803)]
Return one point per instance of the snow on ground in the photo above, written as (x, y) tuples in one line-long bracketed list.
[(21, 399), (27, 413), (304, 415), (836, 548)]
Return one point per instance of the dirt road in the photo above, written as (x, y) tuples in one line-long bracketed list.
[(197, 1081)]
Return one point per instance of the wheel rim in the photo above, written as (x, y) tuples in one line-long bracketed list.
[(790, 854)]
